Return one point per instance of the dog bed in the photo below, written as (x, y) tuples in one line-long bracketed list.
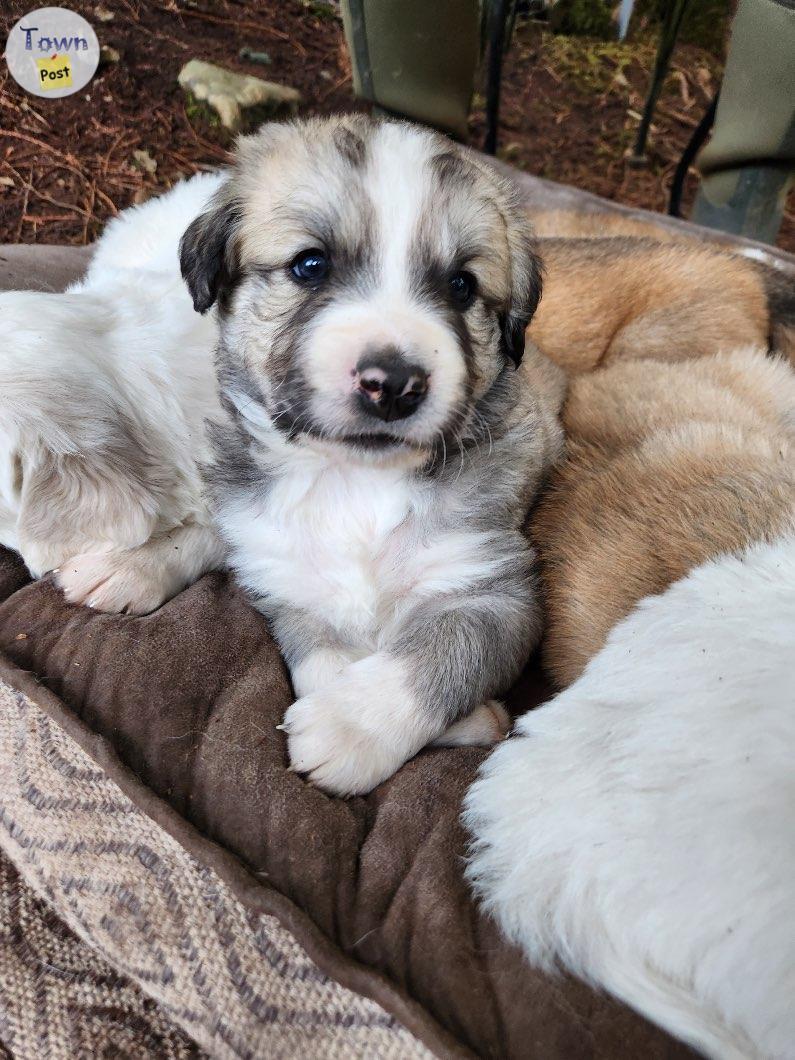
[(151, 743), (187, 700)]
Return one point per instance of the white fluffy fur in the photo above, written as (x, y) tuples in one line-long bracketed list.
[(389, 315), (639, 827), (353, 750), (336, 535), (120, 366), (312, 540), (147, 237)]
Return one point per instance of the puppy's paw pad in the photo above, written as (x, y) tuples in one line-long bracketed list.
[(114, 582)]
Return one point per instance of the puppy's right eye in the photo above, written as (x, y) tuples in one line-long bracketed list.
[(310, 266)]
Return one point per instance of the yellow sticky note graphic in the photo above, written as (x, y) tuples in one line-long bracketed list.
[(55, 72)]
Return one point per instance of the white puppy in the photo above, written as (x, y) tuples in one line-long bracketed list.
[(638, 829), (373, 284), (104, 392)]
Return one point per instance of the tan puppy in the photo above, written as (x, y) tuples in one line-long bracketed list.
[(569, 224), (611, 298), (668, 466)]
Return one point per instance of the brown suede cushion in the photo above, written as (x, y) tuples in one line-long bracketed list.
[(190, 697)]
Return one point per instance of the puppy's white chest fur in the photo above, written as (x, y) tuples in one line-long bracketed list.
[(328, 537)]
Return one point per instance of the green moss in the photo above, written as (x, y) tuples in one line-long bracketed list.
[(322, 9), (706, 22), (583, 18), (595, 66), (199, 112), (252, 117)]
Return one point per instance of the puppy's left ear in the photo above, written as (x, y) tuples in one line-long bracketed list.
[(207, 252), (514, 325), (526, 284)]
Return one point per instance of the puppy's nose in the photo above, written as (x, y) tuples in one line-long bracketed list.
[(389, 388)]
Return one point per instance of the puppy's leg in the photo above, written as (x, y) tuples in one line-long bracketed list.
[(444, 660), (313, 652), (319, 668), (94, 515), (138, 580), (77, 493)]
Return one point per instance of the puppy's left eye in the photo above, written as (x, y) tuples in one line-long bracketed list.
[(310, 266), (463, 286)]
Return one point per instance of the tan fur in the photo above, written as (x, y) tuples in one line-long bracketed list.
[(606, 300), (668, 466), (599, 224)]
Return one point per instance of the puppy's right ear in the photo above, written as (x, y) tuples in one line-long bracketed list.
[(208, 255)]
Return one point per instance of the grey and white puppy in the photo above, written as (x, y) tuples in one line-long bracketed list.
[(373, 284)]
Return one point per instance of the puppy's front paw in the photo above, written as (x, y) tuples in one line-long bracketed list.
[(336, 753), (115, 581), (357, 731)]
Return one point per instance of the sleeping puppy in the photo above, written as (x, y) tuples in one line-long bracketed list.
[(617, 297), (636, 829), (373, 285), (668, 466), (104, 391)]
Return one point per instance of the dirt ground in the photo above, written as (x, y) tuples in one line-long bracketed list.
[(570, 109)]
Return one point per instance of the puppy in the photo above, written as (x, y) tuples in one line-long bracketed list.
[(373, 284), (668, 465), (618, 297), (376, 450), (636, 830), (656, 861), (104, 392)]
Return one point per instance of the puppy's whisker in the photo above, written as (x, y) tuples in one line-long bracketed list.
[(303, 420), (285, 406), (275, 390), (461, 468), (444, 449), (485, 426)]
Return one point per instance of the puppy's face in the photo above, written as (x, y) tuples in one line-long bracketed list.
[(373, 281)]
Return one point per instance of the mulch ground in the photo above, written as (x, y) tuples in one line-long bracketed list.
[(71, 161), (570, 109)]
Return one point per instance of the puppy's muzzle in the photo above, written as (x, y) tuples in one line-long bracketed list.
[(388, 388)]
